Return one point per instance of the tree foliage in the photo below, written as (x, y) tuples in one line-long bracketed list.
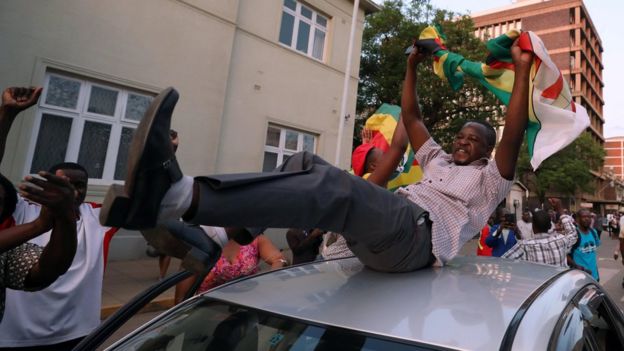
[(566, 172), (386, 35)]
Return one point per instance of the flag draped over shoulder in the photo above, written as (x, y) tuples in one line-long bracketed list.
[(554, 119), (383, 123)]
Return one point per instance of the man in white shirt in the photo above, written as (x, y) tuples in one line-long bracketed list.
[(58, 317), (525, 225)]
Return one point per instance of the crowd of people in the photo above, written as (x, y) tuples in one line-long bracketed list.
[(52, 241), (551, 236)]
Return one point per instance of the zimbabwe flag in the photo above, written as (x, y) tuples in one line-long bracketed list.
[(555, 120), (383, 123)]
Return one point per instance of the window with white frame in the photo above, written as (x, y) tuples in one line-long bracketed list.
[(303, 29), (88, 122), (282, 142)]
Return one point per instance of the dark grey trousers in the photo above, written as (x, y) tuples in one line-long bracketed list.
[(385, 231)]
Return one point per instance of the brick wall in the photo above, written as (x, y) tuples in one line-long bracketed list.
[(556, 40), (561, 60), (546, 20)]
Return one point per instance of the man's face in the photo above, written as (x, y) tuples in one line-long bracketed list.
[(526, 216), (584, 219), (470, 144), (79, 180), (373, 158), (501, 215)]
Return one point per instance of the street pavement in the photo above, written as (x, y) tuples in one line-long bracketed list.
[(611, 271)]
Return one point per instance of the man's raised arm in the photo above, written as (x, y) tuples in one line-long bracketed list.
[(14, 101), (56, 196), (411, 116), (517, 114), (391, 158)]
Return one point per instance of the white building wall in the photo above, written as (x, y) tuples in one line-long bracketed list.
[(271, 83), (223, 57)]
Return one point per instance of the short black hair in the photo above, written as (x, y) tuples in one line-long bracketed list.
[(541, 221), (68, 165), (490, 132), (10, 198)]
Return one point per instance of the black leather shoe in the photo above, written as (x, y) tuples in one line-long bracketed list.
[(198, 252), (152, 168)]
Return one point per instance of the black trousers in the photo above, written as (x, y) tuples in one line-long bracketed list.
[(387, 232)]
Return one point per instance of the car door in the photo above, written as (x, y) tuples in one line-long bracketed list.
[(591, 321)]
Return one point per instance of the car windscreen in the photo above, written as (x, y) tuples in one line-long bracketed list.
[(206, 324)]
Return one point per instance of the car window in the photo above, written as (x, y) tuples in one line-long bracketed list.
[(205, 324), (590, 322)]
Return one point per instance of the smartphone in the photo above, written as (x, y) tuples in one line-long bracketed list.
[(409, 50), (510, 217)]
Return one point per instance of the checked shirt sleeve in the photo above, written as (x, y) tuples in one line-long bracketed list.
[(428, 151), (569, 230), (515, 253)]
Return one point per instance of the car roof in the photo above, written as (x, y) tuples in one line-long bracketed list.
[(467, 304)]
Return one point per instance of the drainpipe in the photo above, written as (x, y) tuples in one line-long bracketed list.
[(345, 88)]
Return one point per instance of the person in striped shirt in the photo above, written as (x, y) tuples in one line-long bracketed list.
[(549, 248)]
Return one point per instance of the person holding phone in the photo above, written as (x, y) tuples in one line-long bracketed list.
[(504, 233)]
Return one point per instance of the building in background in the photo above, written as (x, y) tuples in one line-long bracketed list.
[(614, 161), (614, 170), (258, 80), (573, 43)]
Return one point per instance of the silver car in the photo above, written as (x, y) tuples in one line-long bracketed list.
[(473, 303)]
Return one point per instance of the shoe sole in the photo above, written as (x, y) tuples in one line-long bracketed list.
[(116, 206)]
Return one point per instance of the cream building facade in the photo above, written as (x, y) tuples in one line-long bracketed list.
[(258, 80)]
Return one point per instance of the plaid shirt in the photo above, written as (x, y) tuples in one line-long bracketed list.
[(459, 199), (547, 248)]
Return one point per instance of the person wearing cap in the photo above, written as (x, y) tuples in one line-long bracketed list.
[(364, 159)]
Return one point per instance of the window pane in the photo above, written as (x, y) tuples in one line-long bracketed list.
[(51, 142), (308, 143), (319, 43), (291, 4), (291, 140), (303, 37), (93, 147), (209, 325), (102, 101), (273, 136), (270, 162), (320, 20), (306, 12), (122, 154), (136, 106), (286, 29), (63, 92)]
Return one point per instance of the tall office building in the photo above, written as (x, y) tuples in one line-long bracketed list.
[(574, 45), (614, 160)]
